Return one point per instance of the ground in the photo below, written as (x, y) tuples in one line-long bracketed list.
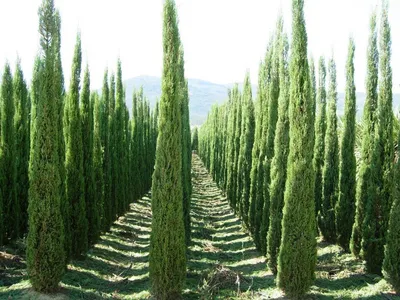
[(222, 261)]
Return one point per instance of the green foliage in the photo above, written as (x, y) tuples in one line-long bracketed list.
[(345, 206), (74, 180), (330, 171), (320, 130), (167, 241), (8, 163), (366, 183), (297, 255), (246, 146), (279, 161), (45, 252)]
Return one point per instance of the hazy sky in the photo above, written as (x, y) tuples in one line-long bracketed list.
[(222, 38)]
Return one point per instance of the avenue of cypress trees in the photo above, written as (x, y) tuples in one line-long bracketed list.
[(366, 185), (345, 206), (279, 162), (298, 253), (186, 147), (167, 239), (86, 117), (21, 125), (8, 163), (75, 184), (45, 252), (97, 165), (377, 210), (320, 130), (330, 171), (272, 118), (246, 146)]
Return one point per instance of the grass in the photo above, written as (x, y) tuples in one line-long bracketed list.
[(222, 260)]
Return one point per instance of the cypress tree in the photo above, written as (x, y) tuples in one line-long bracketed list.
[(231, 142), (119, 129), (297, 254), (105, 142), (345, 207), (21, 125), (45, 252), (135, 142), (377, 212), (75, 184), (238, 129), (391, 263), (313, 86), (186, 151), (8, 162), (246, 146), (366, 184), (86, 116), (330, 171), (256, 149), (195, 139), (273, 90), (320, 130), (263, 150), (167, 239), (112, 149), (279, 161), (98, 178)]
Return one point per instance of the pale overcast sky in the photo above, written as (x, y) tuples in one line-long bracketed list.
[(222, 38)]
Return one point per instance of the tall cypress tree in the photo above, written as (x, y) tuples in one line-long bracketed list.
[(105, 142), (279, 162), (195, 139), (246, 146), (186, 147), (112, 149), (75, 184), (86, 116), (259, 205), (232, 146), (21, 125), (167, 240), (45, 252), (119, 159), (98, 178), (320, 130), (330, 171), (256, 148), (345, 207), (391, 263), (272, 118), (8, 161), (366, 184), (377, 212), (297, 254)]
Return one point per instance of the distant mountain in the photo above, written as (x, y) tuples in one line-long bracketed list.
[(204, 94)]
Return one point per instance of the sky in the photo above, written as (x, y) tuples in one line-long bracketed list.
[(222, 38)]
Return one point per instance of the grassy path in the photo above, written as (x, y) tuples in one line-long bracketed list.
[(222, 261)]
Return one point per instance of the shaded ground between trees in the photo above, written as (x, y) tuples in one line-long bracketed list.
[(222, 261)]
